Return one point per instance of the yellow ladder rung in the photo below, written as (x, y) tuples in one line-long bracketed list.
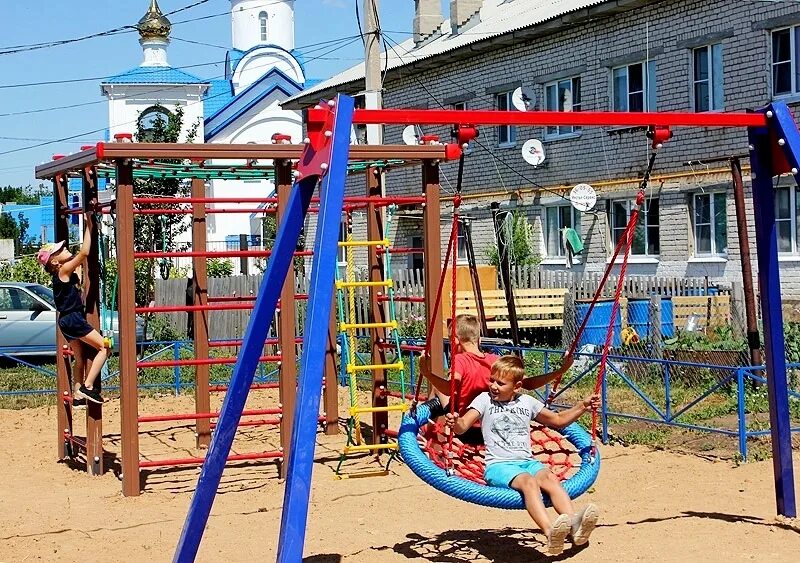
[(390, 408), (350, 326), (369, 448), (352, 368), (384, 242), (385, 283)]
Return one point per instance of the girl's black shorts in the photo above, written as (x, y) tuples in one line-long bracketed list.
[(74, 325)]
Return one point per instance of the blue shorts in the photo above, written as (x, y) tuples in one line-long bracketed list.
[(74, 325), (501, 473)]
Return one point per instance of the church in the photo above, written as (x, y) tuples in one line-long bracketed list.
[(262, 69)]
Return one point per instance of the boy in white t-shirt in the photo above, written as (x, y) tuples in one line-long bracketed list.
[(505, 416)]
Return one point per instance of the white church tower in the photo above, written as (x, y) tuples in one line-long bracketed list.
[(139, 95), (262, 22)]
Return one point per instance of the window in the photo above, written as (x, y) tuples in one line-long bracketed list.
[(707, 78), (262, 22), (464, 230), (416, 261), (459, 106), (710, 224), (153, 123), (13, 299), (341, 259), (634, 87), (646, 234), (506, 134), (785, 61), (563, 95), (787, 209), (557, 218)]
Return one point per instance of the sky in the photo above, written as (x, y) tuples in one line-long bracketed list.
[(22, 123)]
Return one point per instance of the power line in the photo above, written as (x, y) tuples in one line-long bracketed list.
[(71, 137)]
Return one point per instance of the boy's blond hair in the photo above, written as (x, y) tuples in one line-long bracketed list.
[(468, 329), (509, 365)]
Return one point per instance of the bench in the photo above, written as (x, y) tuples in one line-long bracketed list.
[(535, 308)]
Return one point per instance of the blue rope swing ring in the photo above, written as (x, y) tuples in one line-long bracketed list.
[(477, 492)]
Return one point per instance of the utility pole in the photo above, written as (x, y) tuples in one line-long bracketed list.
[(372, 68)]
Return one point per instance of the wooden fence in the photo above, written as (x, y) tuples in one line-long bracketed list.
[(409, 283)]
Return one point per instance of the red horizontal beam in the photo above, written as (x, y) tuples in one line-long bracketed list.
[(260, 422), (187, 308), (254, 386), (233, 298), (201, 415), (588, 118), (238, 342), (200, 460), (225, 254), (212, 210), (402, 299), (402, 250), (199, 362)]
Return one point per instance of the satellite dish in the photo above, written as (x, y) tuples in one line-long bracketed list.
[(410, 135), (533, 152), (522, 98), (583, 197)]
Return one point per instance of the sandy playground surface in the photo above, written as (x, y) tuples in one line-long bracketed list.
[(657, 506)]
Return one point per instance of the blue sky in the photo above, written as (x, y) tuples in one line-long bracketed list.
[(39, 21)]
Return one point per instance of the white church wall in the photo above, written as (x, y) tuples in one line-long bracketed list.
[(257, 63), (127, 102), (246, 27)]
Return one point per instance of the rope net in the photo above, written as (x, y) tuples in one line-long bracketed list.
[(548, 446)]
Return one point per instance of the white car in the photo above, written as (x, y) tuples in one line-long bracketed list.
[(28, 320)]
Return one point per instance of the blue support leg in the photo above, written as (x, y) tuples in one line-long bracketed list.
[(244, 370), (763, 163), (312, 365)]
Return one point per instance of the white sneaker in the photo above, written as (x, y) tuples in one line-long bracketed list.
[(558, 533), (584, 524)]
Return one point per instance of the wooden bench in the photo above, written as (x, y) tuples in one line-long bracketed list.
[(714, 310), (536, 308)]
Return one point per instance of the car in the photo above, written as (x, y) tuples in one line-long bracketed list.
[(28, 320)]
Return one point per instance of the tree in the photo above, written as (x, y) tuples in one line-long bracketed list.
[(26, 195), (17, 230), (521, 243), (159, 232)]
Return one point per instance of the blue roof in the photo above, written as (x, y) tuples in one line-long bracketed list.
[(217, 97), (154, 75)]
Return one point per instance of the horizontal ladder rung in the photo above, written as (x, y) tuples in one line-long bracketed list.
[(352, 368), (350, 326), (343, 284), (389, 408), (384, 242), (369, 448)]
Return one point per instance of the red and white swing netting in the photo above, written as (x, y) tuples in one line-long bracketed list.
[(548, 445)]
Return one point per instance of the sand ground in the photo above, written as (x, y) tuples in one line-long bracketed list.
[(657, 506)]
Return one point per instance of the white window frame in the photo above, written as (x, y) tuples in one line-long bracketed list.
[(559, 131), (461, 243), (715, 80), (793, 61), (792, 220), (643, 222), (712, 225), (649, 92), (341, 254), (576, 224), (503, 103), (459, 106), (263, 25)]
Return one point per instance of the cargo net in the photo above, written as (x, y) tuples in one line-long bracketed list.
[(548, 446)]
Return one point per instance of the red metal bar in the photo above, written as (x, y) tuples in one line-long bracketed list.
[(199, 362), (203, 415), (229, 298), (179, 200), (588, 118), (391, 433), (225, 254), (260, 422), (238, 342), (208, 210), (187, 308), (401, 250), (398, 395), (254, 386), (200, 460)]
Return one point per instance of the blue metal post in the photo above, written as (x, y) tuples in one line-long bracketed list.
[(176, 370), (667, 394), (244, 370), (741, 413), (312, 365), (780, 132)]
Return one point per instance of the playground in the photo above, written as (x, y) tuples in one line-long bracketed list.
[(657, 506), (332, 417)]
